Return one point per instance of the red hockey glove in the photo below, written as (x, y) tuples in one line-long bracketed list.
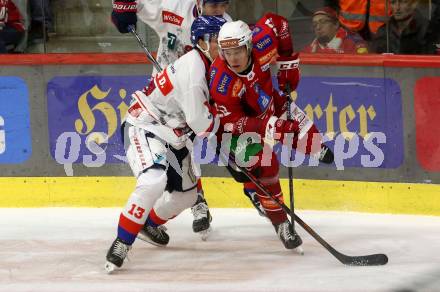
[(280, 27), (124, 14), (246, 125), (288, 72), (283, 127), (271, 128)]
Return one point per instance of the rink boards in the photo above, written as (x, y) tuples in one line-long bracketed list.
[(395, 198), (380, 114)]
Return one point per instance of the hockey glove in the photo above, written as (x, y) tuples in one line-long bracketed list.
[(280, 27), (288, 72), (124, 14), (271, 128)]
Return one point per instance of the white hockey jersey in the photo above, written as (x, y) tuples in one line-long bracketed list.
[(171, 20), (176, 103)]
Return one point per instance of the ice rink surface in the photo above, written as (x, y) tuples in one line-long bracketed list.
[(63, 249)]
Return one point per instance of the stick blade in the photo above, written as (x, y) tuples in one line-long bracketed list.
[(368, 260)]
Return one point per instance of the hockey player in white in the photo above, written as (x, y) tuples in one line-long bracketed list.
[(171, 20), (158, 124)]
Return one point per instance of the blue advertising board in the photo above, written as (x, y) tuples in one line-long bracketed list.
[(361, 117), (15, 132), (86, 109)]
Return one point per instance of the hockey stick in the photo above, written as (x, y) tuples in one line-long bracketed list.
[(365, 260), (289, 169), (150, 57)]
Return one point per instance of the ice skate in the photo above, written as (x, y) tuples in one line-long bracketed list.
[(290, 239), (202, 218), (116, 255), (154, 235)]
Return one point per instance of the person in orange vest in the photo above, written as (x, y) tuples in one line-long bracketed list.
[(333, 38), (364, 16)]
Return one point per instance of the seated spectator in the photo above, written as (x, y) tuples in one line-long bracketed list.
[(331, 37), (11, 26), (407, 31)]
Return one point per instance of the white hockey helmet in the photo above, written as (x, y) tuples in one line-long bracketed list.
[(233, 35)]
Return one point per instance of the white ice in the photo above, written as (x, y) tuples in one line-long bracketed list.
[(63, 249)]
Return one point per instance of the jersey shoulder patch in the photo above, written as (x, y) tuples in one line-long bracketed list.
[(223, 83), (263, 43), (212, 74), (163, 82)]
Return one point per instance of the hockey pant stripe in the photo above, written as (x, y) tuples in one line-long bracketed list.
[(149, 187), (127, 229), (154, 220), (200, 187)]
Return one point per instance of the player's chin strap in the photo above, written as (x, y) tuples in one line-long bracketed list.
[(205, 52), (199, 5)]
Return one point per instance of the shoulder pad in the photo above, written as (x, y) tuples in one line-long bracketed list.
[(223, 82)]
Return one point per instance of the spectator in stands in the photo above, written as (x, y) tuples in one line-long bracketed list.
[(11, 26), (331, 37), (433, 38), (41, 21), (407, 31)]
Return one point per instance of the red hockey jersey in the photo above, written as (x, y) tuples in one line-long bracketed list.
[(252, 94), (10, 15)]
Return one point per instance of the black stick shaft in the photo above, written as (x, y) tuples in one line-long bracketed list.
[(290, 171), (144, 47)]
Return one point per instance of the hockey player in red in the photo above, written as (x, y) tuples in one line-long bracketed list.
[(246, 101)]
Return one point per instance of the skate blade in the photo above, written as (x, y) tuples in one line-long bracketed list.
[(110, 267), (299, 250), (205, 234)]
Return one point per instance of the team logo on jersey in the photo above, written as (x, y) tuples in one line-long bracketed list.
[(172, 18), (223, 85), (256, 30), (268, 57), (163, 82), (222, 111), (212, 76), (237, 88), (264, 43), (263, 98)]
